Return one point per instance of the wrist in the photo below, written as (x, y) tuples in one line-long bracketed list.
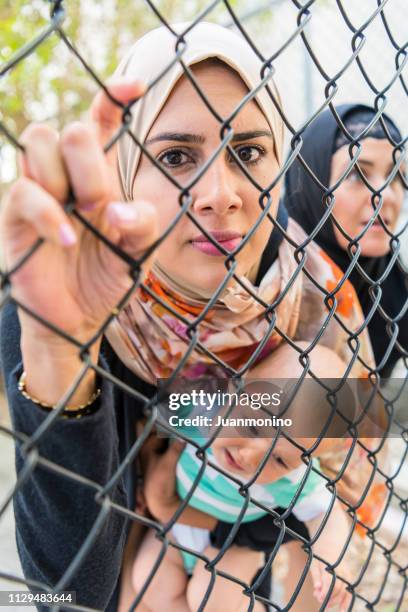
[(68, 411), (53, 366), (35, 332)]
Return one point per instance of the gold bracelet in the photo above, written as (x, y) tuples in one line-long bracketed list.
[(70, 413)]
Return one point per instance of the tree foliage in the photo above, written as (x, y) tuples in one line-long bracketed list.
[(51, 84)]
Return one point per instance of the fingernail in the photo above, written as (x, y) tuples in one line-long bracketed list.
[(67, 235), (127, 80), (88, 206), (122, 213)]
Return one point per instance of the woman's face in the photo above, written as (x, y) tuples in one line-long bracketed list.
[(224, 202), (353, 207)]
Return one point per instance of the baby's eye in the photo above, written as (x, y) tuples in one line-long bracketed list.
[(280, 461), (174, 158), (250, 154)]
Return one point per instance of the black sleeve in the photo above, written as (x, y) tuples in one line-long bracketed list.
[(55, 514)]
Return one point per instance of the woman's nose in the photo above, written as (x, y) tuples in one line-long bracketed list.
[(216, 193), (389, 195)]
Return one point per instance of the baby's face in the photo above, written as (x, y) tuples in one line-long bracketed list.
[(242, 456)]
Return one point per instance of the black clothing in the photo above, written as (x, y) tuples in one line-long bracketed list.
[(261, 535), (55, 514), (304, 202), (271, 251)]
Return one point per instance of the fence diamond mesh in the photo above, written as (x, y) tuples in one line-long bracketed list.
[(372, 560)]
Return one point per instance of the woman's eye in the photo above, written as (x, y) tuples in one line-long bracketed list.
[(398, 181), (354, 177), (249, 154), (174, 158)]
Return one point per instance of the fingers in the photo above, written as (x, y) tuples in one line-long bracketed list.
[(339, 597), (106, 115), (137, 223), (90, 176), (317, 577), (81, 147), (42, 161), (344, 600), (27, 205), (322, 581), (76, 160)]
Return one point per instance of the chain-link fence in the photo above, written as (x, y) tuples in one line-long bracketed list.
[(65, 485)]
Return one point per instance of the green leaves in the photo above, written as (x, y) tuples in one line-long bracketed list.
[(51, 84)]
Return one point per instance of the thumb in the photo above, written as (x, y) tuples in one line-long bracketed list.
[(137, 223), (106, 110)]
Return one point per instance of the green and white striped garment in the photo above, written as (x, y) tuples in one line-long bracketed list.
[(219, 496)]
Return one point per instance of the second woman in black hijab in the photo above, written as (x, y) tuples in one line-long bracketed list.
[(326, 151)]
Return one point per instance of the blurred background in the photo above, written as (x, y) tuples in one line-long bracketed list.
[(52, 85)]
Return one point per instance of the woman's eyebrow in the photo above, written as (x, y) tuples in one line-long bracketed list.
[(177, 137), (240, 136), (365, 162), (200, 139), (361, 162)]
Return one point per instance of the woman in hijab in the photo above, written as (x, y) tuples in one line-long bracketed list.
[(80, 284), (325, 149)]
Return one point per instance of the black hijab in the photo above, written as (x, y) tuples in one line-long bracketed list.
[(304, 202), (270, 252)]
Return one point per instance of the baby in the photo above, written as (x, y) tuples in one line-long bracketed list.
[(183, 578), (278, 478)]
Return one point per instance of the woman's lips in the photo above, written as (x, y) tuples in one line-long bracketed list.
[(228, 240), (231, 461), (376, 226)]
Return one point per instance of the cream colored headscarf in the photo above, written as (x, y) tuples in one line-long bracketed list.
[(153, 54), (147, 337)]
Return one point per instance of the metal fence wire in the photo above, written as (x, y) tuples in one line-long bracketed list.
[(379, 560)]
